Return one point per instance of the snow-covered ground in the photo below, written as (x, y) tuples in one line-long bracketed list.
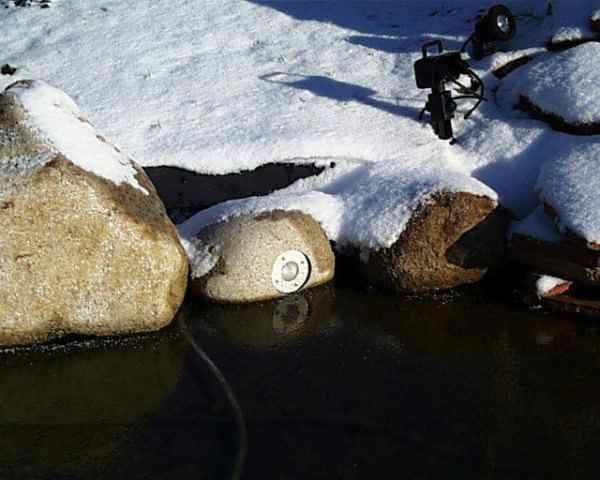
[(221, 86)]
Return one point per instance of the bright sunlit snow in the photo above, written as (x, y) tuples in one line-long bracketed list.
[(565, 84), (570, 184), (228, 85), (60, 123), (357, 204)]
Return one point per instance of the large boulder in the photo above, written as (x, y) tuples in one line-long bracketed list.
[(251, 258), (85, 244), (451, 240)]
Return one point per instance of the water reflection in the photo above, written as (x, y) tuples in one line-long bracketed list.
[(267, 324), (469, 388), (351, 383), (67, 411)]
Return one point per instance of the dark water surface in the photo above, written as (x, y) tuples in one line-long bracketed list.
[(335, 383)]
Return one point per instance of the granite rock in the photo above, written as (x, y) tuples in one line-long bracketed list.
[(243, 254), (80, 253), (453, 239)]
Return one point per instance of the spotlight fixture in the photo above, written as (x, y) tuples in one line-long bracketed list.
[(497, 25), (291, 271), (433, 72)]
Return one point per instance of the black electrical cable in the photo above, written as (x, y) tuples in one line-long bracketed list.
[(236, 411), (472, 74), (464, 88), (474, 97)]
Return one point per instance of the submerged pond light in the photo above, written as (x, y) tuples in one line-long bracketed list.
[(290, 271), (497, 25)]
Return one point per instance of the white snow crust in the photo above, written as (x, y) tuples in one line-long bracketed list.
[(365, 206), (59, 122), (545, 284), (230, 85), (570, 184), (565, 84)]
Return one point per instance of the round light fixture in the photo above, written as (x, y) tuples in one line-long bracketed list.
[(497, 25), (290, 272), (503, 23)]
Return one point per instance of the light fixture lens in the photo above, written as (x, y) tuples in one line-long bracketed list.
[(289, 271), (503, 23)]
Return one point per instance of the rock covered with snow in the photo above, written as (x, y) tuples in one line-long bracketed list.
[(362, 206), (561, 88), (548, 286), (86, 244), (450, 240), (571, 21), (252, 258), (546, 291), (400, 217), (570, 184)]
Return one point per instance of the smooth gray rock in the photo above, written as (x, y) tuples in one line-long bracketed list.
[(240, 260)]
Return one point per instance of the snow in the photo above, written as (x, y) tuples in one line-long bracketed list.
[(203, 258), (59, 122), (570, 184), (231, 85), (545, 284), (565, 34), (564, 84), (237, 84), (359, 205), (537, 225), (571, 19), (595, 17)]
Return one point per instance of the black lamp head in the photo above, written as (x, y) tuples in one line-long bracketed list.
[(497, 25)]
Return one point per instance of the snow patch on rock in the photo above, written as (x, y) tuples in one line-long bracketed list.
[(566, 34), (365, 205), (53, 115), (570, 184), (564, 84), (546, 283), (570, 19)]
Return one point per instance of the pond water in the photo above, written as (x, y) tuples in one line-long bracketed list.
[(337, 382)]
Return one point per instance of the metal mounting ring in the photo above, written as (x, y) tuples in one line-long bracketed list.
[(291, 271)]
